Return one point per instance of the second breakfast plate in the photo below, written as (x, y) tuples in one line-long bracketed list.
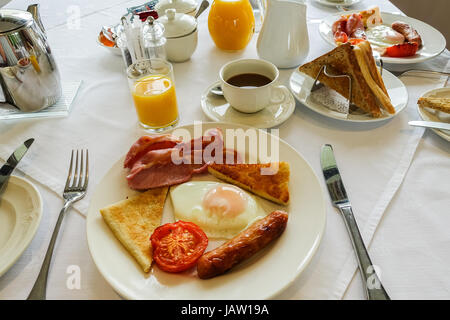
[(436, 116), (301, 85), (261, 277), (343, 3), (433, 41)]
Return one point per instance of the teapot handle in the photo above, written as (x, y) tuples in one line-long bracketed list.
[(34, 10)]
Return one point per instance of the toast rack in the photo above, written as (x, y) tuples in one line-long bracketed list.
[(323, 70)]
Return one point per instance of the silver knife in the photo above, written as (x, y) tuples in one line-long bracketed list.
[(11, 163), (372, 284), (430, 124)]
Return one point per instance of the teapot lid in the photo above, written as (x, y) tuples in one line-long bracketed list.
[(11, 19)]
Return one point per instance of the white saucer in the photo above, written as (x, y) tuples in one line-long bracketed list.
[(301, 85), (216, 108), (434, 115), (20, 215)]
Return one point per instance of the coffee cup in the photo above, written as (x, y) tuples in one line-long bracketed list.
[(250, 85)]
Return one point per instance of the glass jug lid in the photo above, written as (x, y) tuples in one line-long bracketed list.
[(11, 20)]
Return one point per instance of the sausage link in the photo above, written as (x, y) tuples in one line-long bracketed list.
[(242, 246), (408, 32)]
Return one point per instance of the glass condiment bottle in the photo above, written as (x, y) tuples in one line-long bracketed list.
[(154, 40), (231, 23)]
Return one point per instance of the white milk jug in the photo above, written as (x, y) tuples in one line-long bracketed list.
[(283, 39)]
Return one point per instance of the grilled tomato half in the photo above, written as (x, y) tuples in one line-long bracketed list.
[(177, 246), (406, 49)]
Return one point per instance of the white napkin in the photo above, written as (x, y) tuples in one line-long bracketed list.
[(417, 84), (103, 120)]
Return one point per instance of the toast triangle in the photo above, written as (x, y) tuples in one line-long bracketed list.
[(273, 187), (440, 104)]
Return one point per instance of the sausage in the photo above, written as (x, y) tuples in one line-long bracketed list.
[(242, 246), (408, 32)]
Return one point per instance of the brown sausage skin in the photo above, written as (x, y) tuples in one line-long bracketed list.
[(408, 32), (242, 246)]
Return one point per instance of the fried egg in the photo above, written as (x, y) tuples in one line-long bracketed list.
[(383, 36), (222, 210)]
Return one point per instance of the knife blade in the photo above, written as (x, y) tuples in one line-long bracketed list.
[(11, 163), (430, 124), (372, 284), (332, 177)]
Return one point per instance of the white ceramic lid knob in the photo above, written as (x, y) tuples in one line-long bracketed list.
[(170, 13)]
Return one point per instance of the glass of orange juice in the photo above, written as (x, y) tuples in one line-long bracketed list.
[(231, 23), (153, 90)]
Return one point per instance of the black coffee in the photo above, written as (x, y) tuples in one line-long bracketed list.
[(249, 80)]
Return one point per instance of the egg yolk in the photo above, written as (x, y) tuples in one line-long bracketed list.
[(225, 201)]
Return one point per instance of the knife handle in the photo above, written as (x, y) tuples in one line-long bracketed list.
[(372, 284)]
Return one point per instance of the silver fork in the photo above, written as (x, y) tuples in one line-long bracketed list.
[(74, 190)]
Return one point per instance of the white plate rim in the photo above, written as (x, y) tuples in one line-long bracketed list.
[(345, 3), (212, 117), (423, 117), (24, 244), (389, 60), (331, 114), (311, 253)]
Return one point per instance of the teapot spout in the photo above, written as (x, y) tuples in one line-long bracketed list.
[(34, 10)]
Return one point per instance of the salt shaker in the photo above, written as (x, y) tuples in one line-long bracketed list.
[(154, 40)]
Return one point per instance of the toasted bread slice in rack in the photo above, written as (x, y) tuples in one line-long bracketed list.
[(133, 221), (441, 104), (273, 186), (368, 90)]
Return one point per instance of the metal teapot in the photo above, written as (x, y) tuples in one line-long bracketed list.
[(29, 77)]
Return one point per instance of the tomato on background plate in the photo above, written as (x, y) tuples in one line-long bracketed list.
[(406, 49), (177, 246)]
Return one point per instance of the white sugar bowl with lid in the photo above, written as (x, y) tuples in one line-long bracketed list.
[(181, 34), (182, 6)]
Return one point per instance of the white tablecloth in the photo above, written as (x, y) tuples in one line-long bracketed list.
[(398, 177)]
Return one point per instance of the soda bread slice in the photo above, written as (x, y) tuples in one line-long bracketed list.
[(133, 221)]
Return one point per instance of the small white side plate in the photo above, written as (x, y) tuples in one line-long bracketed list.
[(20, 215), (433, 41), (343, 3), (301, 85), (114, 50), (434, 115), (217, 109)]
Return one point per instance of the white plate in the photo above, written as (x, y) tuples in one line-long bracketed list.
[(434, 115), (216, 108), (343, 3), (433, 41), (301, 85), (20, 215), (261, 277)]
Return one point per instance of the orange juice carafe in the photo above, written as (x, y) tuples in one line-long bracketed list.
[(231, 23)]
